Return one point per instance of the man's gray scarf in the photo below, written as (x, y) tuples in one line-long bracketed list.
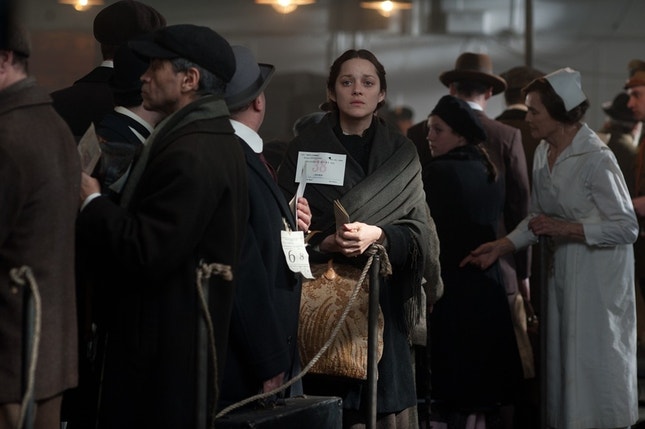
[(204, 108)]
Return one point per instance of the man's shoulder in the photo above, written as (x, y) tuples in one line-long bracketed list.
[(498, 130)]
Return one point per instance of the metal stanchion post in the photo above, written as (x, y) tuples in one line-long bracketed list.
[(372, 340), (544, 302), (202, 421)]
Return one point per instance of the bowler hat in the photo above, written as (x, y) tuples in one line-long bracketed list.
[(117, 23), (249, 80), (475, 67), (617, 108), (461, 118), (519, 77), (197, 44)]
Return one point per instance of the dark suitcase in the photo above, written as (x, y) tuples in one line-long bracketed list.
[(311, 412)]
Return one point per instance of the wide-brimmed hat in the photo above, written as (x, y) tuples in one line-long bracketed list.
[(117, 23), (477, 67), (461, 118), (249, 80), (567, 84), (617, 108), (200, 45)]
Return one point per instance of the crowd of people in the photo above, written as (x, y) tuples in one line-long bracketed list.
[(163, 273)]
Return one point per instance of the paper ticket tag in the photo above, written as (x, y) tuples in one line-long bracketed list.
[(321, 167), (293, 246)]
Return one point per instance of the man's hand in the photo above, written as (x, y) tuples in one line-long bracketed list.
[(89, 186), (273, 383)]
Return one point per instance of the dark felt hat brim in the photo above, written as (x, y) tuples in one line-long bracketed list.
[(497, 83), (251, 93)]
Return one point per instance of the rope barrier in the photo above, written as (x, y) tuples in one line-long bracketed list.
[(24, 276), (386, 269)]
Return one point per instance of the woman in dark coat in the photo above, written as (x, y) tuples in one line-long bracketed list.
[(474, 358), (383, 194)]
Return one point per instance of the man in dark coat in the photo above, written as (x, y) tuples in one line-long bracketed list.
[(176, 234), (263, 350), (515, 113), (39, 184), (123, 131), (90, 97)]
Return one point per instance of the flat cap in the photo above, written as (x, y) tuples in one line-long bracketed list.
[(119, 22), (200, 45)]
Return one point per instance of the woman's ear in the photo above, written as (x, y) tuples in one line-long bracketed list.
[(331, 96)]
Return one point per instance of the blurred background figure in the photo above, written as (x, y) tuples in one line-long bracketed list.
[(515, 112), (90, 97), (620, 132)]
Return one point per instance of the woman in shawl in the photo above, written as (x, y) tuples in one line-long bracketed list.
[(581, 205), (474, 360), (382, 192)]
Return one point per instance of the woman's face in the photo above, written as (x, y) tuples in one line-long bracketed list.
[(357, 90), (542, 125), (441, 137)]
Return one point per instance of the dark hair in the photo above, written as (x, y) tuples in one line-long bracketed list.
[(490, 167), (468, 88), (553, 102), (514, 96), (363, 54), (208, 82)]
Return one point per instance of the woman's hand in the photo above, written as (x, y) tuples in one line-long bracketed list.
[(352, 239), (545, 225), (485, 255), (304, 214)]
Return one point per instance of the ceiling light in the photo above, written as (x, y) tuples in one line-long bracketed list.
[(285, 6), (386, 8), (81, 5)]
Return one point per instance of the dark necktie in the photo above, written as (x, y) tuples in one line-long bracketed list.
[(270, 169)]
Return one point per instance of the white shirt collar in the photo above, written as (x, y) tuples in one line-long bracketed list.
[(127, 112), (248, 135), (475, 106), (108, 63)]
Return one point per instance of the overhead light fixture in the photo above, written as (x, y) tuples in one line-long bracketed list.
[(81, 5), (386, 8), (285, 6)]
